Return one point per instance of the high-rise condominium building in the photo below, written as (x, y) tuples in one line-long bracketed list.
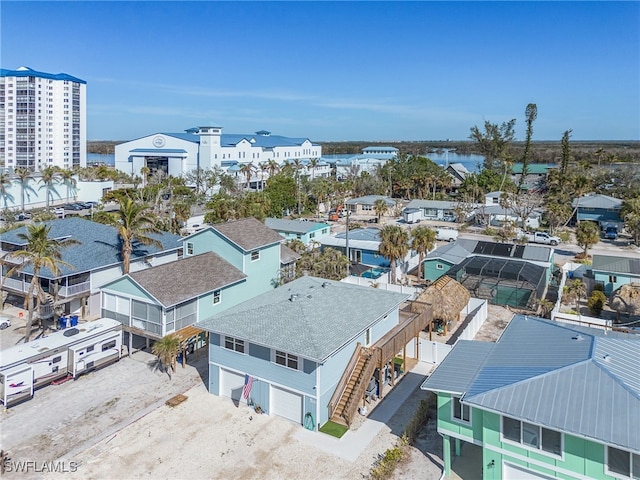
[(43, 120)]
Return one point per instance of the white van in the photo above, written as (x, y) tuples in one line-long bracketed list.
[(446, 234)]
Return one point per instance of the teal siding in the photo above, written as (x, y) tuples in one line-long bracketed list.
[(263, 273), (210, 240), (258, 351), (620, 279), (229, 297), (129, 288), (432, 272)]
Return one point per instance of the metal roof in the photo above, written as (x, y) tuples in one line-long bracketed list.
[(370, 200), (310, 317), (615, 264), (580, 381), (597, 201), (27, 72), (294, 226)]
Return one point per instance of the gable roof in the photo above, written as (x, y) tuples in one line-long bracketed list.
[(370, 200), (99, 245), (310, 317), (614, 264), (176, 282), (248, 233), (294, 226), (597, 201), (581, 381)]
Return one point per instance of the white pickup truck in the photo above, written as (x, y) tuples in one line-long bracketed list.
[(539, 237)]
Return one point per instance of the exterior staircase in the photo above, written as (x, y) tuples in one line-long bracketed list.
[(352, 386)]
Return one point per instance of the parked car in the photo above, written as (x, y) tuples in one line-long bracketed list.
[(74, 206), (4, 323), (611, 233), (539, 237)]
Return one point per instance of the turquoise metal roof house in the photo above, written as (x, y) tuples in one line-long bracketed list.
[(612, 271), (305, 231), (547, 400), (295, 342)]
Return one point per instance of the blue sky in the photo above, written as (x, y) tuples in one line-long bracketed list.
[(336, 71)]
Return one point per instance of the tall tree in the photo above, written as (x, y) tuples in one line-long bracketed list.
[(24, 177), (423, 239), (494, 142), (630, 212), (531, 112), (134, 222), (5, 185), (48, 177), (248, 170), (41, 252), (394, 245), (566, 155), (587, 235), (380, 207), (69, 180)]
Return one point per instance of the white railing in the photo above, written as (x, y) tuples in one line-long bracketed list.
[(368, 282), (15, 284), (74, 289)]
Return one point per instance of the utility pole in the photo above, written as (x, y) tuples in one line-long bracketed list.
[(346, 237)]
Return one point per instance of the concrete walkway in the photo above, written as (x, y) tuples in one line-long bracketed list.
[(353, 443)]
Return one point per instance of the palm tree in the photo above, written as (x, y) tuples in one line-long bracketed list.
[(69, 180), (394, 245), (40, 252), (134, 222), (380, 207), (247, 170), (313, 164), (630, 212), (576, 289), (144, 172), (272, 167), (167, 349), (48, 176), (5, 184), (423, 239), (24, 177), (587, 235)]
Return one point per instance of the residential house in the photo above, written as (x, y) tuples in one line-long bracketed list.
[(458, 173), (95, 261), (612, 271), (303, 230), (547, 400), (365, 205), (221, 266), (294, 344), (441, 210), (503, 273), (602, 209), (536, 174), (364, 249)]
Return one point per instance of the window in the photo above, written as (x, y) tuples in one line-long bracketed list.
[(216, 297), (255, 255), (622, 462), (234, 344), (90, 348), (287, 360), (189, 248), (56, 360), (613, 279), (461, 412), (109, 345), (532, 436), (439, 266)]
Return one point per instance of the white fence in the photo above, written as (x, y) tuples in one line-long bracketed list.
[(435, 352), (367, 282), (581, 320)]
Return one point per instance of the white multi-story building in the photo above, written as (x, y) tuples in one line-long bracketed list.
[(43, 120), (203, 148)]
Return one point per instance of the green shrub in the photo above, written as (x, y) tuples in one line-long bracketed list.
[(596, 302), (599, 287)]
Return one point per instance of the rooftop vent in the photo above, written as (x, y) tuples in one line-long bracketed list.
[(607, 358), (577, 337), (325, 284), (293, 297)]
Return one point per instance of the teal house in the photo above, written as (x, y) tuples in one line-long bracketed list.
[(546, 401), (220, 266), (293, 344), (602, 209), (302, 230), (612, 271)]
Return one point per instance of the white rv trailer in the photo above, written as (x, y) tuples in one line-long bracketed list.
[(70, 352)]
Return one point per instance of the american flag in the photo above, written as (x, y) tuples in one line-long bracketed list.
[(248, 383)]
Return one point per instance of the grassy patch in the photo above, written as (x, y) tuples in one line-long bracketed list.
[(334, 429)]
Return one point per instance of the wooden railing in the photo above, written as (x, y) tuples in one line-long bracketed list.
[(344, 381), (359, 386)]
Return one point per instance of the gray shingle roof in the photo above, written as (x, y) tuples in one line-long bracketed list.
[(581, 381), (294, 226), (287, 255), (614, 264), (325, 316), (187, 278), (248, 233), (99, 244)]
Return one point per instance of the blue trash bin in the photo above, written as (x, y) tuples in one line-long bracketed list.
[(62, 323), (74, 320)]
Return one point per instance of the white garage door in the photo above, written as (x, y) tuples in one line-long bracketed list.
[(512, 472), (286, 404), (231, 385)]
